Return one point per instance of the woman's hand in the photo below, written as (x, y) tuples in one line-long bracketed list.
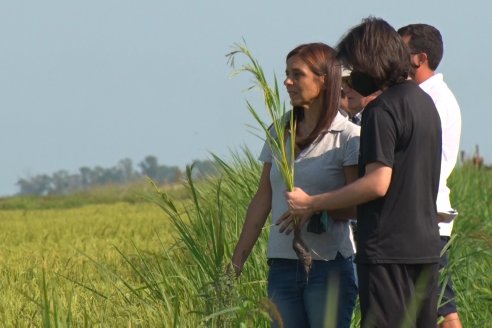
[(286, 222)]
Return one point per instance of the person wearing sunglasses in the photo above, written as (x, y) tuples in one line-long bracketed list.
[(355, 101), (426, 48)]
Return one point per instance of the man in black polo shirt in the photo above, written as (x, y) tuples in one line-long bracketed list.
[(400, 154)]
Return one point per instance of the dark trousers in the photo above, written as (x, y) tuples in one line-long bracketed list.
[(398, 295)]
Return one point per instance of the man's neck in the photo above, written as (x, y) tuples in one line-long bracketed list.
[(423, 74)]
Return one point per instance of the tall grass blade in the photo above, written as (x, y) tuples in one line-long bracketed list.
[(283, 129)]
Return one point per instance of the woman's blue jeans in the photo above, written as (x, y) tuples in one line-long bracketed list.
[(326, 298)]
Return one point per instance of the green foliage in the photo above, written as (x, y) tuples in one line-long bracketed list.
[(208, 227), (277, 137), (471, 248), (46, 280), (131, 265), (108, 194), (64, 183)]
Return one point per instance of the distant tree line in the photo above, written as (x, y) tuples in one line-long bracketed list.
[(63, 182)]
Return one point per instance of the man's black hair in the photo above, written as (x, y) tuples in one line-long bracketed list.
[(375, 49), (424, 39)]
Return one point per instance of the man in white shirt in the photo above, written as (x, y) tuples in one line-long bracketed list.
[(426, 48)]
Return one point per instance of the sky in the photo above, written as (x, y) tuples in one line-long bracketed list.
[(88, 83)]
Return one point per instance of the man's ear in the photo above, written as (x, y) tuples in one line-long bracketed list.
[(422, 58)]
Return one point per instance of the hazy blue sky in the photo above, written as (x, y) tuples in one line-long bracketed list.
[(87, 83)]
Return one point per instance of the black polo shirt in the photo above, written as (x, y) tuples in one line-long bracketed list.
[(401, 129)]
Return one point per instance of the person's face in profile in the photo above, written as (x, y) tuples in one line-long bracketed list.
[(303, 85), (344, 101), (354, 99)]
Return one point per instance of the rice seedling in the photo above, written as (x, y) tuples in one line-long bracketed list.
[(470, 254), (280, 137), (207, 228)]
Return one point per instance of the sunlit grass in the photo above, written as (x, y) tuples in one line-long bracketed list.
[(54, 242), (127, 265)]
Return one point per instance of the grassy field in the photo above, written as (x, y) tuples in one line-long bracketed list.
[(75, 249), (113, 258)]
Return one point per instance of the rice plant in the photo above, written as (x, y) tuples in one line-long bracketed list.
[(280, 137), (470, 255), (207, 228)]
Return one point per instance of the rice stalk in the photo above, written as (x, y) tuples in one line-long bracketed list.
[(277, 135)]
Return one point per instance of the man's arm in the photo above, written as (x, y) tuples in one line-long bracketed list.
[(374, 184), (285, 221), (351, 174)]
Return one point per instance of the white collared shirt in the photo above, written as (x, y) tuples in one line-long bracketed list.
[(449, 112)]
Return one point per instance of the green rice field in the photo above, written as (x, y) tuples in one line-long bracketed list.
[(148, 258)]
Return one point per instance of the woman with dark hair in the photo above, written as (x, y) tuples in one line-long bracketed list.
[(327, 147)]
